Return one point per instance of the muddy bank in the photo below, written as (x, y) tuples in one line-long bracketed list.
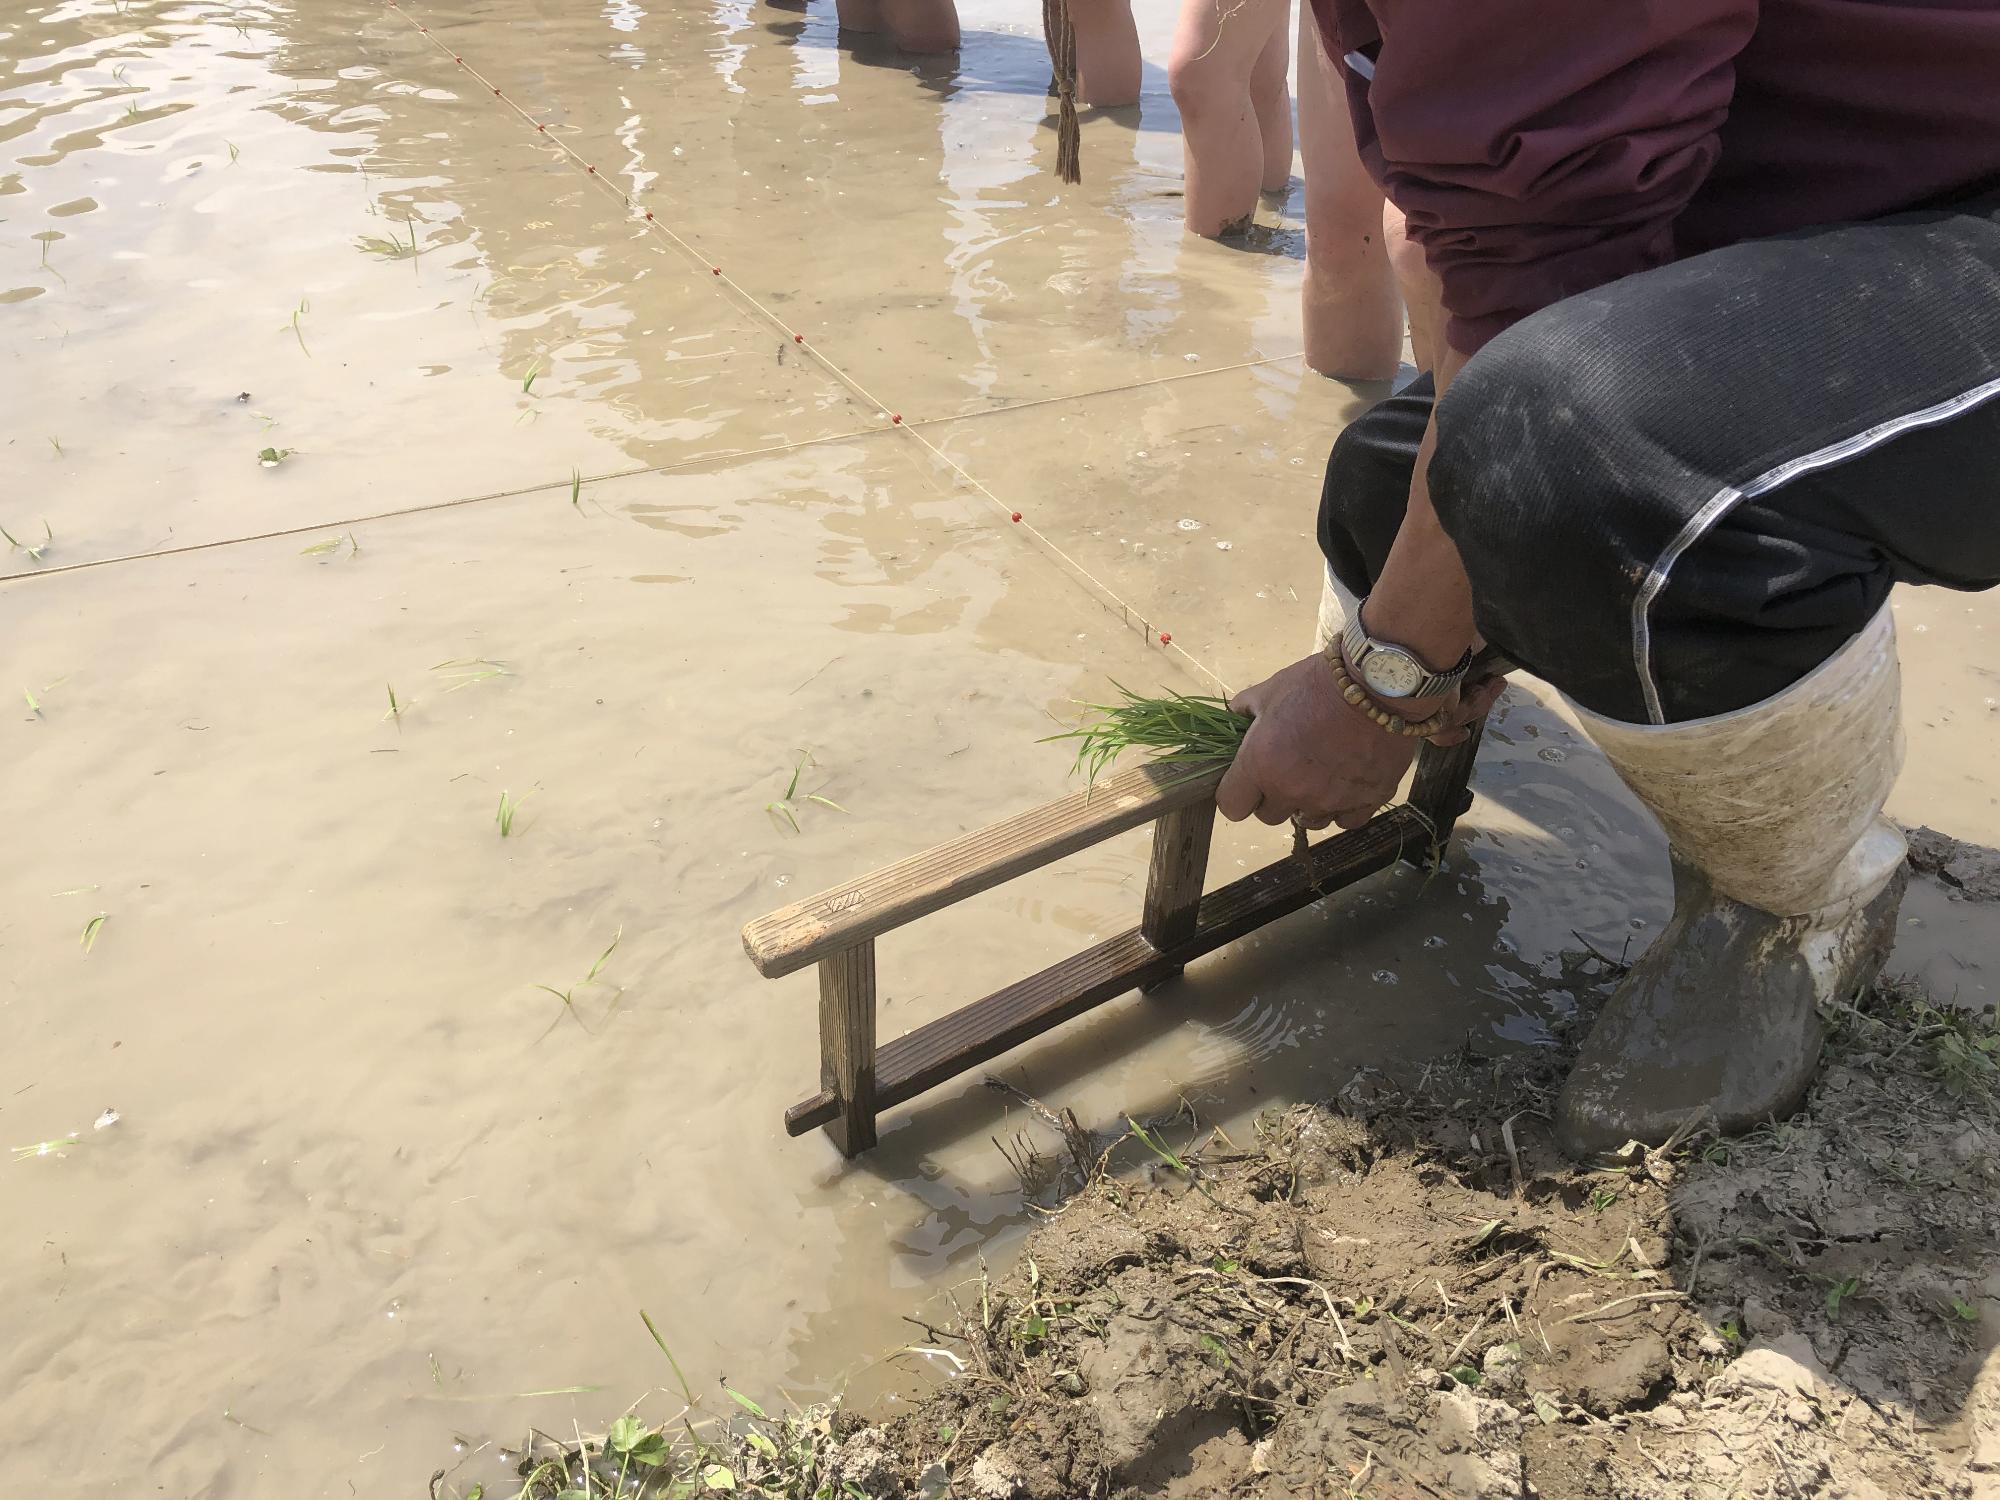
[(1408, 1292)]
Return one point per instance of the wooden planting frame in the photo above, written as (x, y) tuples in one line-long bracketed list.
[(837, 929)]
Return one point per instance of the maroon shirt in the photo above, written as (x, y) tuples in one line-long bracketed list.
[(1540, 148)]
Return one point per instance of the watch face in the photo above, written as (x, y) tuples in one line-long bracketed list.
[(1392, 673)]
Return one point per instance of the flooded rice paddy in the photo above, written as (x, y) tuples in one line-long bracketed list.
[(374, 463)]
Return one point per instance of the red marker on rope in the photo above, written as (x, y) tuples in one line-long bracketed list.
[(1017, 515), (1166, 637)]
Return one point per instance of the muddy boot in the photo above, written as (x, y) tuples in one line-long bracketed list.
[(1786, 883)]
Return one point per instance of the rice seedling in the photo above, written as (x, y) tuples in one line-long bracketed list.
[(504, 817), (234, 152), (55, 444), (471, 671), (46, 1148), (332, 545), (392, 248), (270, 458), (36, 552), (34, 703), (1176, 728), (786, 807), (298, 327), (569, 1007), (576, 488), (397, 708), (90, 930), (528, 380)]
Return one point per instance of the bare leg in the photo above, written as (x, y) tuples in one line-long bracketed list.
[(859, 15), (1353, 317), (1422, 294), (922, 25), (1214, 53), (1107, 53), (1272, 101)]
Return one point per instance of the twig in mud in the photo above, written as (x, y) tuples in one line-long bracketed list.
[(1513, 1153), (1075, 1137), (1595, 1313), (1697, 1117), (1340, 1328), (1471, 1333)]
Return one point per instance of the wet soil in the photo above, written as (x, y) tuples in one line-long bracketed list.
[(1408, 1292)]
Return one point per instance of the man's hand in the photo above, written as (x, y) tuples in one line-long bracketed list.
[(1312, 755)]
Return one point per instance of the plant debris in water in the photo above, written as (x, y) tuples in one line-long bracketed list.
[(1175, 728)]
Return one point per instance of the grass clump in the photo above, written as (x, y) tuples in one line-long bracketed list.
[(756, 1454), (1175, 728)]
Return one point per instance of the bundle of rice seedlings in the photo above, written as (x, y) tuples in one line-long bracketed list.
[(1175, 728)]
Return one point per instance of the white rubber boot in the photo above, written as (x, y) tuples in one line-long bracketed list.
[(1786, 883), (1336, 608)]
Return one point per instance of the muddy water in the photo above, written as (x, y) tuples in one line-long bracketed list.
[(370, 1186)]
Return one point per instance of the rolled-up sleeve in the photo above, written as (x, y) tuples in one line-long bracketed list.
[(1539, 148)]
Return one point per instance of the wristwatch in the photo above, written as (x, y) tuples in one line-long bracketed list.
[(1391, 671)]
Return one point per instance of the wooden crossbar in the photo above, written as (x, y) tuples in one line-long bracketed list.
[(837, 929), (898, 894)]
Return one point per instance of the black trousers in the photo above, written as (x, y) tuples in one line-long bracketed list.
[(1678, 494)]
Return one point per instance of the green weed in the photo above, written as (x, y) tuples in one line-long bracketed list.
[(528, 380), (90, 930), (1838, 1293), (397, 708), (270, 458)]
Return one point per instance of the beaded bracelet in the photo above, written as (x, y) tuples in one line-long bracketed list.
[(1357, 695)]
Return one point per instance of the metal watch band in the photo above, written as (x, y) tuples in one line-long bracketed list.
[(1357, 645)]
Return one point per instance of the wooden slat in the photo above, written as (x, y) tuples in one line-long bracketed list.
[(1441, 789), (1174, 878), (979, 1032), (788, 940), (847, 1058)]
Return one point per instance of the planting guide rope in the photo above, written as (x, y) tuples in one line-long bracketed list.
[(1103, 592)]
